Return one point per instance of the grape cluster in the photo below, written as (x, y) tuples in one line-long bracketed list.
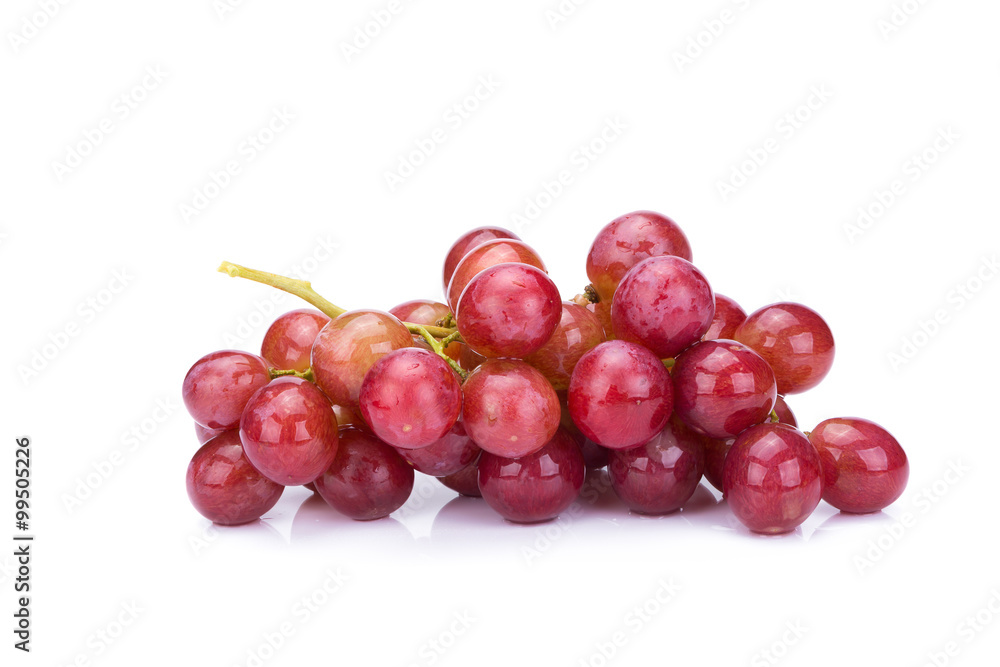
[(511, 394)]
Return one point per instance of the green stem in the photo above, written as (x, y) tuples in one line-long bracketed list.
[(774, 417), (307, 374), (438, 346), (669, 363), (304, 290), (451, 338)]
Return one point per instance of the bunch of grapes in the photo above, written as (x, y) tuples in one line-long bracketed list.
[(509, 393)]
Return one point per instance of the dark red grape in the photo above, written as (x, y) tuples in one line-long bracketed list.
[(288, 342), (715, 459), (727, 319), (491, 253), (348, 346), (225, 487), (578, 332), (626, 241), (785, 414), (794, 340), (205, 434), (864, 468), (411, 398), (663, 303), (467, 242), (509, 310), (722, 387), (465, 481), (620, 395), (367, 480), (510, 408), (218, 386), (772, 478), (536, 487), (447, 456), (289, 431), (660, 476)]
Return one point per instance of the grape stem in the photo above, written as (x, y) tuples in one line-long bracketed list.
[(774, 417), (304, 290), (668, 363), (438, 346), (307, 374)]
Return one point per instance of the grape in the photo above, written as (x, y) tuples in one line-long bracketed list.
[(536, 487), (427, 313), (348, 346), (864, 468), (218, 386), (626, 241), (785, 414), (722, 387), (728, 317), (411, 398), (465, 481), (289, 431), (467, 242), (510, 408), (660, 476), (620, 395), (289, 340), (491, 253), (225, 487), (367, 480), (447, 456), (205, 434), (794, 340), (663, 303), (509, 310), (595, 456), (578, 332)]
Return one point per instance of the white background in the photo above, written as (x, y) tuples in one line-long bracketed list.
[(867, 590)]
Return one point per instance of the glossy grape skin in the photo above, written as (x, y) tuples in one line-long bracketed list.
[(427, 313), (578, 332), (536, 487), (595, 456), (491, 253), (367, 480), (663, 303), (620, 395), (447, 456), (205, 434), (785, 414), (626, 241), (660, 476), (465, 481), (511, 410), (289, 431), (411, 398), (794, 340), (727, 319), (602, 310), (509, 310), (722, 387), (288, 342), (218, 386), (772, 479), (467, 242), (864, 468), (348, 346), (225, 487), (469, 359)]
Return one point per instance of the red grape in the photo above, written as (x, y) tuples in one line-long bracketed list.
[(626, 241), (491, 253), (367, 480), (348, 346), (620, 395), (288, 342), (664, 303), (205, 434), (510, 408), (289, 431), (225, 487), (509, 310), (794, 340), (772, 478), (722, 387), (785, 414), (445, 457), (427, 313), (465, 481), (864, 467), (536, 487), (577, 333), (218, 386), (660, 476), (467, 242), (411, 398), (727, 319)]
